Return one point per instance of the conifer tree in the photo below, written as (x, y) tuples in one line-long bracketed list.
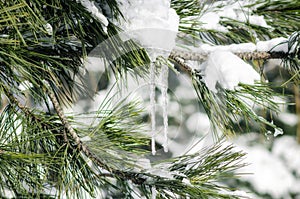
[(46, 153)]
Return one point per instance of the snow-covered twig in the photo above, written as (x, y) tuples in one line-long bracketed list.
[(256, 55)]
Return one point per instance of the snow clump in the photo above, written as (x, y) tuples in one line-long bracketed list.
[(228, 70), (153, 24)]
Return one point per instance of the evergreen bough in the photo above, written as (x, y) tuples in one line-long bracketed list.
[(42, 153)]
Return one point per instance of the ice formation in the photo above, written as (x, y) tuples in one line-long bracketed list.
[(153, 25), (164, 92), (278, 131), (228, 70), (152, 107)]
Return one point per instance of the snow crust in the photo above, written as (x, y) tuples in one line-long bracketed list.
[(211, 21), (233, 10), (153, 24), (279, 44), (228, 70)]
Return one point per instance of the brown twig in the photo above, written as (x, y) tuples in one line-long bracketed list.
[(181, 63), (82, 147)]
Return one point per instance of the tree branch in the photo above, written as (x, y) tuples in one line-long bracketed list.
[(181, 63), (83, 148), (255, 55), (179, 56), (13, 100), (185, 67), (134, 177)]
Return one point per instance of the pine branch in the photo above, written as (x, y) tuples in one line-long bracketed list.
[(224, 108), (145, 180), (285, 12), (82, 147)]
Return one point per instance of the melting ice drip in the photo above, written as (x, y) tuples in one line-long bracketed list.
[(154, 25), (152, 106), (164, 90)]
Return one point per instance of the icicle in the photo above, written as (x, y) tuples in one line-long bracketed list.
[(154, 192), (164, 91), (152, 106)]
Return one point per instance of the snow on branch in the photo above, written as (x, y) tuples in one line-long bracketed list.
[(227, 86), (277, 48)]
